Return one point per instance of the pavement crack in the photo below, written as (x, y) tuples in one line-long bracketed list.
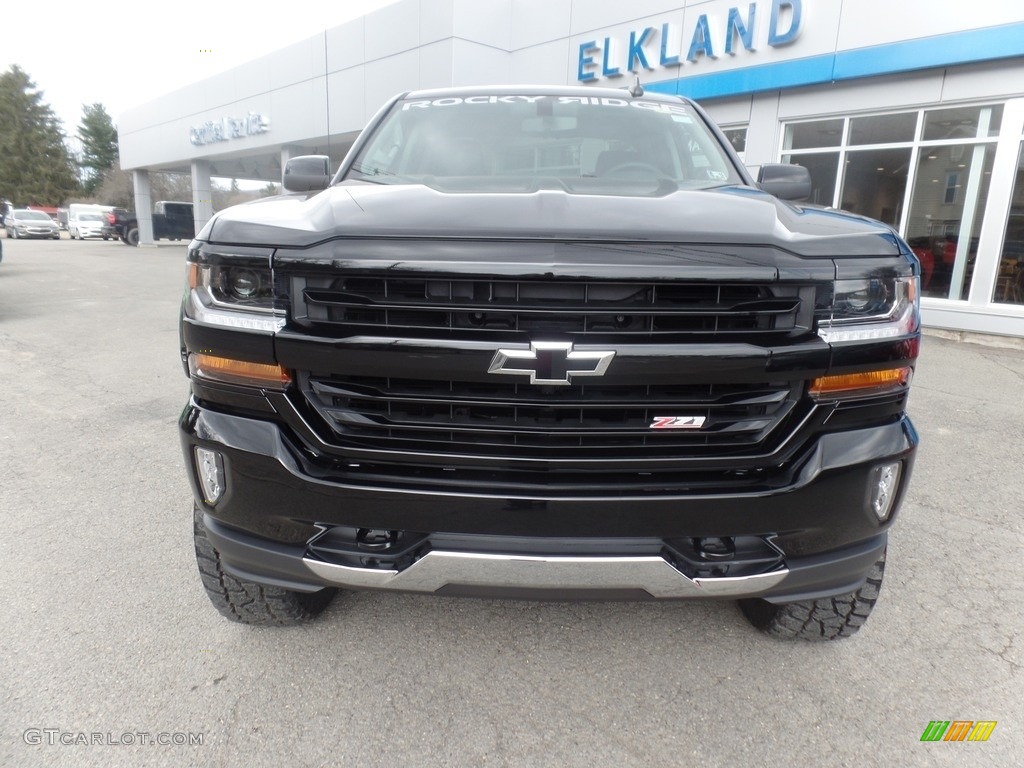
[(998, 364), (1014, 666)]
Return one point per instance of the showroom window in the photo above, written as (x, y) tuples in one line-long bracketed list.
[(737, 136), (926, 173), (807, 139), (947, 204), (1009, 288)]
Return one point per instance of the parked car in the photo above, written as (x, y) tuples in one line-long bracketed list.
[(171, 220), (113, 221), (922, 248), (83, 224), (25, 223)]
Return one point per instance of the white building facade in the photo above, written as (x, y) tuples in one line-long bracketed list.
[(909, 112)]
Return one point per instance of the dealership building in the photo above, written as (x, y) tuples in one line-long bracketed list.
[(908, 112)]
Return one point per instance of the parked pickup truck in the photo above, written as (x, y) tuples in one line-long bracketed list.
[(171, 221), (548, 342)]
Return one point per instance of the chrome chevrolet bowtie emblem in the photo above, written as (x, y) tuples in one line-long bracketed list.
[(550, 362)]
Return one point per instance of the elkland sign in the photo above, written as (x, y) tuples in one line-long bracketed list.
[(740, 28)]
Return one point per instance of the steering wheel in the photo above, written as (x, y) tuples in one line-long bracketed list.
[(634, 166)]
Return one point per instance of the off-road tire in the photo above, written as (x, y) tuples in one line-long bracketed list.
[(818, 620), (132, 238), (248, 602)]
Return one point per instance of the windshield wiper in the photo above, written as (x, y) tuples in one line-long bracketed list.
[(371, 171)]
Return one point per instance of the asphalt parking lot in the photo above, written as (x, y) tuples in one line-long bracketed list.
[(108, 638)]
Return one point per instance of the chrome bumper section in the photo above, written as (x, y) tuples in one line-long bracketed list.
[(439, 569)]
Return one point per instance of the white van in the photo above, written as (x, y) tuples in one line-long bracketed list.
[(86, 220)]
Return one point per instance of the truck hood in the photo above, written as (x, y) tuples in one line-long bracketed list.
[(724, 215)]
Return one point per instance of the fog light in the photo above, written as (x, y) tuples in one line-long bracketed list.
[(211, 474), (882, 486)]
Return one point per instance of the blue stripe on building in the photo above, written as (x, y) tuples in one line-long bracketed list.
[(940, 51)]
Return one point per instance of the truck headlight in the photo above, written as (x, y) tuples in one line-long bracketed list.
[(234, 296), (872, 308), (246, 287)]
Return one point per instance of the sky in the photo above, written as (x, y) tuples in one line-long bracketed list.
[(126, 54)]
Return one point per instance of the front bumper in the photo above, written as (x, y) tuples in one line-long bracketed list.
[(504, 574), (38, 234), (813, 537)]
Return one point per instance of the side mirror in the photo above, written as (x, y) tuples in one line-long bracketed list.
[(307, 173), (788, 182)]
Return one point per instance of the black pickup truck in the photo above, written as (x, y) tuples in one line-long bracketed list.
[(548, 342), (171, 221)]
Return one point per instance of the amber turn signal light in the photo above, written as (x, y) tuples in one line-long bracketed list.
[(231, 371), (856, 384)]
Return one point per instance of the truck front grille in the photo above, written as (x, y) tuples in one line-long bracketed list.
[(524, 421), (409, 303)]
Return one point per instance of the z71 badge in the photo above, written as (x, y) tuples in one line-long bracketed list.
[(678, 422)]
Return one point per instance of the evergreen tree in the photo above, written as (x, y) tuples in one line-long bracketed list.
[(35, 166), (99, 145)]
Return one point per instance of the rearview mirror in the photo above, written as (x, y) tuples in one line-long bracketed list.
[(307, 173), (549, 124)]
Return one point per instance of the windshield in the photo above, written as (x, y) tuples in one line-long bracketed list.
[(32, 216), (524, 142)]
